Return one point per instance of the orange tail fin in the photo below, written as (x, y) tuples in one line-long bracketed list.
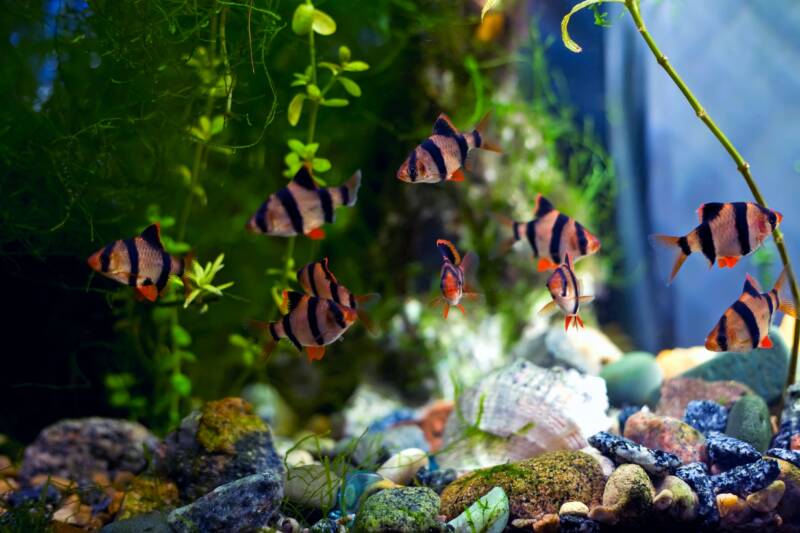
[(486, 144), (672, 243), (787, 303), (365, 300)]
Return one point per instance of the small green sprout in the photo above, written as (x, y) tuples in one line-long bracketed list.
[(202, 278)]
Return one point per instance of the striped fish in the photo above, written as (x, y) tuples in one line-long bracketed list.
[(140, 262), (552, 235), (565, 288), (311, 323), (442, 156), (317, 280), (727, 232), (301, 208), (744, 325), (455, 271)]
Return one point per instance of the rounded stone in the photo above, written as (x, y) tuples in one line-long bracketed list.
[(629, 494), (400, 510), (748, 421), (667, 434), (631, 379)]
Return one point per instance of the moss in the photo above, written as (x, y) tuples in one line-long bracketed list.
[(147, 494), (534, 487), (224, 422), (402, 510), (629, 493)]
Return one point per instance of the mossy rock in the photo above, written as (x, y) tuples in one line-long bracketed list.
[(401, 510), (224, 422), (748, 420), (147, 494), (535, 487), (629, 494)]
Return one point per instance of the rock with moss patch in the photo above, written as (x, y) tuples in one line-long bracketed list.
[(147, 494), (400, 510), (627, 498), (535, 487), (222, 442), (789, 506), (748, 421)]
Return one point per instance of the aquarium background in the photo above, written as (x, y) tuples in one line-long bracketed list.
[(118, 114)]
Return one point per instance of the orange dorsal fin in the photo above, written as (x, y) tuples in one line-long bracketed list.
[(316, 234), (541, 206), (315, 353), (444, 126), (304, 179), (448, 251), (765, 343), (152, 235), (458, 175)]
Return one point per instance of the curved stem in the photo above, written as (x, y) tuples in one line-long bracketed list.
[(741, 165)]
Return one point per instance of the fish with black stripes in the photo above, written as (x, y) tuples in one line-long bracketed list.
[(443, 155), (565, 289), (726, 233), (140, 262), (455, 273), (551, 235), (316, 279), (310, 323), (745, 325), (301, 208)]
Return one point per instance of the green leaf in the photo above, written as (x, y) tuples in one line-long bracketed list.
[(344, 54), (311, 149), (313, 91), (205, 123), (217, 124), (568, 42), (180, 336), (320, 164), (355, 66), (350, 86), (303, 19), (181, 384), (295, 108), (330, 66), (335, 102), (298, 83), (296, 146), (323, 23)]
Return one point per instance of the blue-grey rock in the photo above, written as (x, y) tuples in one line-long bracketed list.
[(436, 480), (749, 421), (746, 479), (762, 370), (578, 524), (696, 476), (622, 450), (631, 379), (625, 413), (325, 525), (790, 418), (727, 452), (706, 416), (792, 456), (155, 522), (401, 510), (246, 504)]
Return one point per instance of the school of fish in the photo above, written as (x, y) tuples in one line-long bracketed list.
[(325, 310)]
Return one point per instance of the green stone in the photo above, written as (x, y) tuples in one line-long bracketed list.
[(762, 370), (631, 379), (748, 420), (401, 510)]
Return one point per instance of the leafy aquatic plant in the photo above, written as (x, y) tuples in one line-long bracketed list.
[(632, 7)]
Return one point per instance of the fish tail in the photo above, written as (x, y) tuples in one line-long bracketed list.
[(186, 265), (353, 184), (506, 244), (366, 319), (683, 251), (483, 142), (787, 303)]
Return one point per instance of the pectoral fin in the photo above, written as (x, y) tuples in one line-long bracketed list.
[(765, 343), (545, 264), (458, 175), (316, 234), (548, 309), (148, 292), (315, 353)]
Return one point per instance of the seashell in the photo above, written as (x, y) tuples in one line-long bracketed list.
[(522, 411), (403, 466), (487, 515), (299, 458), (605, 463)]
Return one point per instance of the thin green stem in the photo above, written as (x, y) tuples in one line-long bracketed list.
[(312, 121), (741, 165)]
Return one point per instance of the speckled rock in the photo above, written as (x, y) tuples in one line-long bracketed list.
[(436, 480), (762, 370), (535, 487), (675, 394), (790, 419), (631, 379), (222, 442), (675, 497), (748, 478), (622, 450), (401, 510), (706, 416), (791, 456), (147, 494), (572, 523), (749, 421), (727, 452), (155, 522), (246, 504), (667, 434), (696, 476), (627, 498), (78, 449)]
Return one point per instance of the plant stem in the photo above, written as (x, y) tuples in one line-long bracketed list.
[(741, 165), (312, 121)]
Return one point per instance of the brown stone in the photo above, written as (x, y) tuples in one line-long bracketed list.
[(667, 434), (676, 394)]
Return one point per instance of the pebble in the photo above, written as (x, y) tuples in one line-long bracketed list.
[(401, 467), (749, 421), (733, 510), (574, 508), (326, 525), (748, 478), (627, 497), (667, 434), (696, 476), (437, 480), (624, 414), (790, 419), (706, 416), (631, 379), (791, 456), (726, 452), (623, 450), (675, 394)]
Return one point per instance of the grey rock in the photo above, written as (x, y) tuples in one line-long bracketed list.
[(155, 522)]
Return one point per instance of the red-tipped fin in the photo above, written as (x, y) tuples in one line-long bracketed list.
[(461, 308), (444, 126), (765, 343), (148, 292), (545, 264), (567, 321), (785, 298), (578, 322), (448, 251), (446, 310), (316, 234), (669, 242), (315, 353), (458, 175), (481, 128)]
